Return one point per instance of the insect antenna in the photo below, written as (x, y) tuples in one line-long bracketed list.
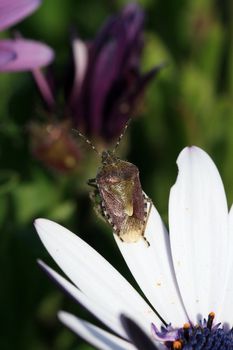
[(121, 136), (87, 141)]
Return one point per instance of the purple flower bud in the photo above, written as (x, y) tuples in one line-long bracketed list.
[(107, 80), (104, 83)]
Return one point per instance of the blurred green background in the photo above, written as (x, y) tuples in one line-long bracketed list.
[(189, 103)]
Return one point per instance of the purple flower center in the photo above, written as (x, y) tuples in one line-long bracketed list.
[(203, 336)]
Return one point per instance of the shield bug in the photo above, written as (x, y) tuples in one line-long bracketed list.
[(118, 195)]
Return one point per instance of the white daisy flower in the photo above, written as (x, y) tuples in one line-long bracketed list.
[(186, 275)]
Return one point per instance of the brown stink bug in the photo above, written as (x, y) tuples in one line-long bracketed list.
[(118, 195)]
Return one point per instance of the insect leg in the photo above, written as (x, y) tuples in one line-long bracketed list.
[(147, 242), (100, 209), (147, 200), (108, 218), (97, 206), (92, 182)]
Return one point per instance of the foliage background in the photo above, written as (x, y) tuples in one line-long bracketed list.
[(189, 103)]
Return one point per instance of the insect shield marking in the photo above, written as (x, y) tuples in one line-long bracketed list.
[(118, 196)]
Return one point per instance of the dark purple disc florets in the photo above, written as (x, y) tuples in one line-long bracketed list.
[(203, 336)]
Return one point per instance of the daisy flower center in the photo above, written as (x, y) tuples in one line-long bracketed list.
[(203, 336)]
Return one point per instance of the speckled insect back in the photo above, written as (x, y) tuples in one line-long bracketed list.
[(118, 195), (123, 203)]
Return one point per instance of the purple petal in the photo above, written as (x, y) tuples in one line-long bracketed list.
[(133, 17), (125, 102), (6, 56), (115, 51), (44, 88), (166, 333), (107, 70), (80, 56), (12, 11), (81, 60), (103, 77), (28, 55), (132, 22)]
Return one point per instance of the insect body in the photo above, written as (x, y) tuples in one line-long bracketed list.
[(118, 196), (121, 200)]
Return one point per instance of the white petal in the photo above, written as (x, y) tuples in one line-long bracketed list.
[(96, 278), (227, 310), (198, 230), (94, 335), (101, 313), (153, 270)]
